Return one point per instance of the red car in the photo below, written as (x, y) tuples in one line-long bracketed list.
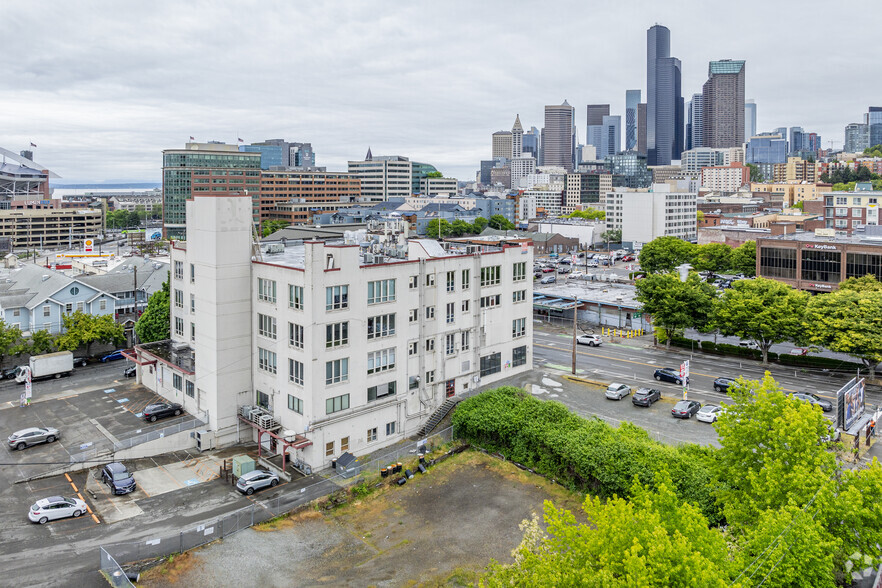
[(628, 258), (547, 270)]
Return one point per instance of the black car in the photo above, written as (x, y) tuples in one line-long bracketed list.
[(645, 397), (685, 409), (118, 477), (162, 410), (130, 371), (80, 361), (9, 373), (811, 398), (669, 375), (722, 384)]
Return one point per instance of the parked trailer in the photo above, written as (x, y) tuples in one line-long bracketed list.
[(50, 365)]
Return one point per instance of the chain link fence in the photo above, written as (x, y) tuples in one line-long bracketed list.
[(115, 575), (137, 553)]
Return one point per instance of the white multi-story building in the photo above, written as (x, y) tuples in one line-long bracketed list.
[(521, 167), (537, 202), (725, 178), (347, 350), (644, 215), (693, 160), (433, 186), (383, 177)]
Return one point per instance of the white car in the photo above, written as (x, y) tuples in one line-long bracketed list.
[(591, 263), (617, 391), (56, 507), (708, 413), (576, 276), (589, 340)]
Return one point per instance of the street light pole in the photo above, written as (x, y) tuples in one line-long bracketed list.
[(575, 312)]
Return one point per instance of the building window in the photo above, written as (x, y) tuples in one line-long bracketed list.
[(295, 372), (843, 200), (192, 303), (451, 281), (329, 448), (490, 301), (466, 278), (778, 262), (821, 266), (344, 444), (337, 371), (336, 334), (47, 311), (266, 326), (295, 335), (380, 326), (336, 404), (430, 345), (430, 377), (381, 291), (490, 275), (413, 382), (68, 308), (81, 306), (518, 327), (102, 304), (518, 295), (372, 435), (266, 290), (430, 279), (491, 364), (177, 381), (413, 348), (295, 297), (466, 345), (336, 297), (266, 360), (381, 391), (390, 428), (179, 270), (190, 391), (179, 326), (413, 282), (519, 356), (520, 271), (430, 312), (179, 298), (450, 312), (295, 404), (414, 315), (450, 344), (192, 273), (381, 361), (466, 305), (192, 331), (860, 264)]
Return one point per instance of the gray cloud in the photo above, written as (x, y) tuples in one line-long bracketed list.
[(103, 87)]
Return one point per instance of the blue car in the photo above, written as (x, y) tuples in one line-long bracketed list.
[(113, 355), (668, 375), (118, 478)]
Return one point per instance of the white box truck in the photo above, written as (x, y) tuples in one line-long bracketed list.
[(50, 365)]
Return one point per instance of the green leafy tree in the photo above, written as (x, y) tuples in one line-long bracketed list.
[(744, 259), (156, 211), (755, 174), (653, 539), (154, 323), (10, 338), (863, 173), (479, 225), (763, 311), (714, 257), (500, 223), (611, 236), (848, 321), (799, 205), (699, 216), (438, 228), (86, 329), (459, 227), (867, 283), (268, 227), (434, 174), (676, 305), (665, 253), (40, 342), (133, 218), (588, 213)]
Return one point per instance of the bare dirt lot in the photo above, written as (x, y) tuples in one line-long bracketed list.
[(440, 529)]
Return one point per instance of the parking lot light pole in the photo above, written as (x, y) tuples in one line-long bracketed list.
[(575, 312)]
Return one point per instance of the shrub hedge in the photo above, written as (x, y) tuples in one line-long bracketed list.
[(587, 455), (808, 361)]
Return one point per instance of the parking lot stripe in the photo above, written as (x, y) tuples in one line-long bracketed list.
[(142, 489), (74, 487), (96, 518), (67, 477)]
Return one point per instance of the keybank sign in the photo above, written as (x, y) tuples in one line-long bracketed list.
[(823, 247)]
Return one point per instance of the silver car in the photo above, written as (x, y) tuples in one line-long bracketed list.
[(56, 507), (617, 391), (32, 436), (256, 480)]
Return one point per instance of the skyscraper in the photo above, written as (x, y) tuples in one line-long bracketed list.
[(749, 119), (530, 144), (857, 137), (695, 124), (558, 135), (723, 103), (874, 120), (664, 101), (596, 112), (607, 136), (517, 138), (798, 140), (632, 99), (641, 128), (595, 129), (502, 144)]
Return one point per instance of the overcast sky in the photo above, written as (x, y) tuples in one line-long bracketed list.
[(103, 87)]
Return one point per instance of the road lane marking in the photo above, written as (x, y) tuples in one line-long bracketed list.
[(67, 477)]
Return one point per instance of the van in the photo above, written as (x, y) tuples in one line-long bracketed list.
[(748, 345)]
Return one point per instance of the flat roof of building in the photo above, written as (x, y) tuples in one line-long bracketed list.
[(606, 293), (854, 239)]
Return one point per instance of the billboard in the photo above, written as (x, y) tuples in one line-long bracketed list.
[(851, 402)]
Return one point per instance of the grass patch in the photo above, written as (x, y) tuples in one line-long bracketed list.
[(171, 570)]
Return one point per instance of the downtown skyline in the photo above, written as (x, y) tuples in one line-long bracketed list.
[(103, 89)]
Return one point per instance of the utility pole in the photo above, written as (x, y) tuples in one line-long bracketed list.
[(575, 312)]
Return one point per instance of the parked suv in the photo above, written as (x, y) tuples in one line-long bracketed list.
[(161, 410), (32, 436), (825, 405), (589, 340), (118, 477), (617, 391), (255, 480), (645, 396)]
